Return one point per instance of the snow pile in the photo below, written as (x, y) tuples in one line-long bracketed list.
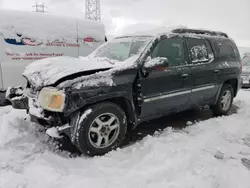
[(206, 154), (47, 27)]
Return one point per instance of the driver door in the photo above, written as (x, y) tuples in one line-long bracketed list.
[(166, 87)]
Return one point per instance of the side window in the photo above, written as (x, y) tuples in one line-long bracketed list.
[(172, 49), (199, 50), (227, 51), (209, 51)]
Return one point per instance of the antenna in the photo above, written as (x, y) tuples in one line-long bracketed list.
[(40, 7), (93, 10)]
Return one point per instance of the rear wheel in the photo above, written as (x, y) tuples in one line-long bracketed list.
[(100, 129), (224, 101)]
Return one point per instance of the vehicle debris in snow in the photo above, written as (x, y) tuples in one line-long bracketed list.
[(53, 132), (219, 155)]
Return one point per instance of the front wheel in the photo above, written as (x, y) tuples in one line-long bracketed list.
[(100, 129), (224, 101)]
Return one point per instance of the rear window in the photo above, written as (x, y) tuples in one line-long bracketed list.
[(200, 50), (227, 51)]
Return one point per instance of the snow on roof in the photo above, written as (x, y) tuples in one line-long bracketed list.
[(44, 26), (169, 29), (156, 31)]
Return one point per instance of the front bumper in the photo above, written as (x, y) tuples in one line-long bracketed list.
[(51, 120), (37, 114), (52, 131)]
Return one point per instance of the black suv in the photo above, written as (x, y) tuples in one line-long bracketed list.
[(132, 79)]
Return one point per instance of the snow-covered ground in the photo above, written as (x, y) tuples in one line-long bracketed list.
[(173, 159)]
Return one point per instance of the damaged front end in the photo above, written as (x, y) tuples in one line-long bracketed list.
[(26, 99)]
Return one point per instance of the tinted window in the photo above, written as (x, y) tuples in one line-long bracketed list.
[(172, 49), (209, 50), (199, 50), (227, 51)]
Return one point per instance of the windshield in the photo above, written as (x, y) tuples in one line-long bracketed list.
[(246, 61), (122, 48)]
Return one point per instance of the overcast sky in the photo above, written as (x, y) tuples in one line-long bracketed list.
[(122, 16)]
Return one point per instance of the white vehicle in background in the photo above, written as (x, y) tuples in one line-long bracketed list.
[(246, 70), (29, 36)]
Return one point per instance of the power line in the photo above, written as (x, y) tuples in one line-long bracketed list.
[(93, 10)]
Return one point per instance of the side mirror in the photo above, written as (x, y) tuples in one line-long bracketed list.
[(151, 64), (158, 61), (164, 61)]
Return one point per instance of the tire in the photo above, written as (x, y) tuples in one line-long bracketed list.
[(87, 141), (4, 102), (220, 108)]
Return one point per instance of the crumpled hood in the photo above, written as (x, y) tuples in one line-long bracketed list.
[(48, 71)]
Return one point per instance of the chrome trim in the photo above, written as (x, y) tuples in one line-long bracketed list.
[(166, 96), (203, 88), (150, 99)]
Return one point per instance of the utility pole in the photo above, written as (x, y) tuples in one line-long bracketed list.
[(93, 10), (40, 7)]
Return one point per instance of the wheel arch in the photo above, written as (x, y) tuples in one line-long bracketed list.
[(234, 83), (128, 107), (122, 101)]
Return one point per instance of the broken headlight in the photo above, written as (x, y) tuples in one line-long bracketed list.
[(52, 99)]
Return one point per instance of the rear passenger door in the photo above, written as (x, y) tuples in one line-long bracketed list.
[(203, 74)]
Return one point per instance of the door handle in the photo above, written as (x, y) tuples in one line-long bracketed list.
[(184, 76), (216, 71)]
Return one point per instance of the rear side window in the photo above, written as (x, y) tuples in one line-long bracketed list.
[(172, 49), (227, 51), (200, 50)]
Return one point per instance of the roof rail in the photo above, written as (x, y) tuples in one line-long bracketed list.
[(201, 32)]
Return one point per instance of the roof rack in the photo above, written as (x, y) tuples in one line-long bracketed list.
[(200, 32)]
